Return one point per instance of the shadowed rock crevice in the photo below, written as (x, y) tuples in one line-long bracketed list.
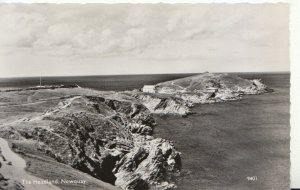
[(105, 137)]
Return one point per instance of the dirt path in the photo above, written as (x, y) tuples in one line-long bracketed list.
[(16, 170)]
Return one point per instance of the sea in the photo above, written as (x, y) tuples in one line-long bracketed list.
[(234, 145), (116, 82), (103, 82)]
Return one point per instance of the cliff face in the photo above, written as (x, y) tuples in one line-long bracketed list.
[(177, 96), (106, 136), (163, 104), (151, 160)]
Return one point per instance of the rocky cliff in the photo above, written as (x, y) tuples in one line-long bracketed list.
[(164, 103), (107, 136), (177, 96)]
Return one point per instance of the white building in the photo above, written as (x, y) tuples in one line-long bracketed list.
[(211, 89), (149, 88)]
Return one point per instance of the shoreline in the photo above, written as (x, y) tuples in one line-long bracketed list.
[(234, 140)]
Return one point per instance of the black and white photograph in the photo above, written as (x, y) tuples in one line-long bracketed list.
[(145, 96)]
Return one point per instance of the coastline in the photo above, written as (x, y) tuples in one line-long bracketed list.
[(234, 140), (72, 100)]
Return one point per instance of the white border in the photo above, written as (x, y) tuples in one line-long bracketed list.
[(295, 93), (295, 59), (145, 1)]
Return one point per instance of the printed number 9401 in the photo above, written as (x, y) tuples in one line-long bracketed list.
[(252, 178)]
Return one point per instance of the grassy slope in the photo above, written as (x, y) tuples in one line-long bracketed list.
[(17, 105), (45, 167), (201, 81)]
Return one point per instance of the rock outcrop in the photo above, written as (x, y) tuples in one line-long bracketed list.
[(177, 96), (149, 163), (163, 104), (106, 136)]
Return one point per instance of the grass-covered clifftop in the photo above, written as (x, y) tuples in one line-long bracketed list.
[(177, 96)]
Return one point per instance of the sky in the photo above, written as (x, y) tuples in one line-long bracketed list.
[(104, 39)]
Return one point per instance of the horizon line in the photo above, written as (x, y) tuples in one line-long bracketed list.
[(27, 76)]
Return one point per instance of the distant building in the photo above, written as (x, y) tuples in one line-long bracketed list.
[(211, 89), (149, 88)]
